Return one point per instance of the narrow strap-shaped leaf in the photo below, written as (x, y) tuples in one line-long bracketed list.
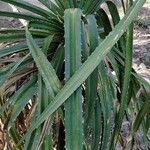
[(84, 46), (14, 68), (114, 63), (50, 22), (17, 95), (46, 44), (57, 61), (45, 135), (97, 125), (141, 114), (116, 18), (73, 106), (126, 83), (22, 46), (106, 99), (48, 143), (33, 135), (21, 100), (24, 65), (50, 27), (51, 6), (143, 122), (21, 36), (6, 68), (11, 37), (45, 68), (30, 7), (114, 12), (16, 76), (120, 59), (60, 4), (43, 101), (123, 6), (34, 140), (22, 31), (63, 4), (91, 5), (20, 16), (143, 81), (15, 137), (95, 5), (103, 19), (92, 62), (3, 76), (20, 104), (91, 82)]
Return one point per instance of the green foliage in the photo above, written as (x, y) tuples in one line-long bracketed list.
[(71, 84)]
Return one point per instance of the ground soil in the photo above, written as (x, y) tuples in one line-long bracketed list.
[(141, 61)]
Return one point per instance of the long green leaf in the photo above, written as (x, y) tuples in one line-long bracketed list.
[(126, 84), (106, 99), (15, 96), (19, 47), (19, 106), (20, 16), (73, 105), (91, 83), (22, 31), (43, 100), (14, 68), (53, 7), (30, 7), (11, 37), (141, 114), (91, 5), (116, 18), (45, 68), (63, 4)]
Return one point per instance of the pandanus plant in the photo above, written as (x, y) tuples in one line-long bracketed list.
[(66, 78)]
